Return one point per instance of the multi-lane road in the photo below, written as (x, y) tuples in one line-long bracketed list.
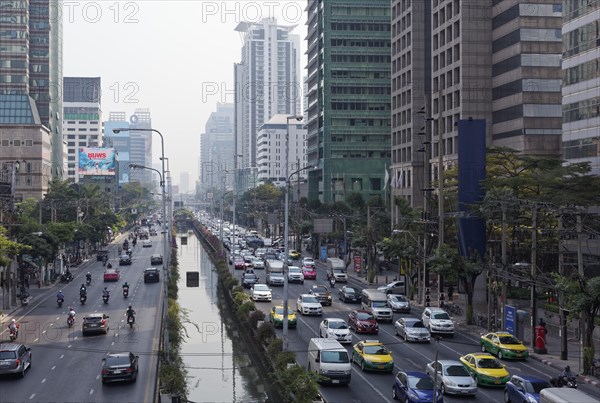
[(376, 387), (66, 365)]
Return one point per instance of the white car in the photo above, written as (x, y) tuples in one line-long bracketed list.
[(452, 377), (438, 321), (308, 305), (308, 261), (295, 275), (146, 243), (335, 328), (261, 292), (258, 264), (398, 303), (395, 287)]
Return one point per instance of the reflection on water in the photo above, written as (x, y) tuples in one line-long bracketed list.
[(219, 369)]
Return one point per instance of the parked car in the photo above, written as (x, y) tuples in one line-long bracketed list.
[(503, 345), (486, 369), (151, 275), (308, 304), (124, 260), (412, 329), (156, 259), (524, 388), (261, 292), (15, 358), (322, 293), (438, 321), (249, 279), (335, 328), (398, 303), (276, 316), (119, 367), (414, 387), (453, 378), (111, 275), (349, 294), (95, 323), (372, 355), (295, 275), (309, 272), (363, 322)]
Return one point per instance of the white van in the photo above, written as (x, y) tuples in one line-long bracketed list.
[(565, 395), (330, 360), (337, 268), (375, 301)]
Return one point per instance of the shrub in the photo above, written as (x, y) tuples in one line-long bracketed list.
[(274, 348), (266, 333), (237, 289), (230, 282), (298, 384), (244, 309), (240, 297), (283, 359), (255, 317)]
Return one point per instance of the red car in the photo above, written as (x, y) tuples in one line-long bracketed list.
[(310, 273), (111, 275), (240, 265), (363, 322)]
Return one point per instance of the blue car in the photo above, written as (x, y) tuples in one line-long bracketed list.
[(415, 387), (524, 388)]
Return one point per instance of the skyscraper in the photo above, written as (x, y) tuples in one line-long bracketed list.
[(140, 147), (120, 141), (82, 118), (581, 82), (217, 147), (267, 82), (348, 98)]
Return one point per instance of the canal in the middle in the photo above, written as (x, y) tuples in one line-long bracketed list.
[(219, 370)]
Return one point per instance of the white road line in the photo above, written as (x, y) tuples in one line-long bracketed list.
[(44, 380), (43, 331), (36, 339), (62, 356), (112, 344), (69, 346), (97, 377), (53, 368), (32, 396), (58, 318), (91, 391), (75, 338)]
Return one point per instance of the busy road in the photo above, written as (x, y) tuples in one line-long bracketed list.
[(371, 387), (66, 366)]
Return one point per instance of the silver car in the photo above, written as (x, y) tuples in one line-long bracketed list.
[(398, 303), (452, 377), (15, 358), (412, 329)]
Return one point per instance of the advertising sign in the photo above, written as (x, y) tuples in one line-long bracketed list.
[(323, 253), (510, 316), (96, 161), (357, 263)]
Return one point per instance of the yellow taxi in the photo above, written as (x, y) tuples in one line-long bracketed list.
[(276, 316), (503, 345), (372, 355), (485, 369), (294, 254)]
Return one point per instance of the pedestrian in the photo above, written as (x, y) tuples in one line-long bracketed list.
[(26, 280), (543, 324), (450, 293)]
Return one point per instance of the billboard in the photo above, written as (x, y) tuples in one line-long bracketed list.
[(97, 161)]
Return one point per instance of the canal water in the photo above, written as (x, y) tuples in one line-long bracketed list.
[(219, 368)]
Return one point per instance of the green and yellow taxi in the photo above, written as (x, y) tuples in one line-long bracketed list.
[(276, 316), (294, 254), (372, 355), (485, 369), (503, 345)]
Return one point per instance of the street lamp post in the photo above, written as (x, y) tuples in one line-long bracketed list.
[(286, 227)]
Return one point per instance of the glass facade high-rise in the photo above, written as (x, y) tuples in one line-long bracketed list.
[(217, 148), (581, 82), (348, 98)]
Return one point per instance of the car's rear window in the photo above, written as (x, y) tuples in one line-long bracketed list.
[(7, 355), (117, 360), (94, 320)]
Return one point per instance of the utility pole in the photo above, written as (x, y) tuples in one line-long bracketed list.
[(440, 190), (564, 349), (368, 242), (534, 224), (504, 271)]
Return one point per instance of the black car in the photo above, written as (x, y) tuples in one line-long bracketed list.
[(249, 279), (349, 294), (156, 259), (101, 254), (151, 275), (119, 367), (124, 260)]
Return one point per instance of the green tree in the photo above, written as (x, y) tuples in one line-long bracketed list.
[(8, 248)]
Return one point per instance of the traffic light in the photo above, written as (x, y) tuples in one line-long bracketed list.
[(442, 299), (427, 297)]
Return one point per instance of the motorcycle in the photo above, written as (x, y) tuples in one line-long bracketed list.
[(332, 282), (14, 333), (24, 298), (564, 382), (125, 292), (105, 299), (88, 281), (59, 302), (66, 278), (82, 299), (70, 321), (130, 321)]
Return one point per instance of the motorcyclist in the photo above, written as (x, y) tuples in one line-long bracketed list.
[(71, 314), (126, 287), (13, 326), (60, 295), (82, 291), (105, 293), (88, 276), (109, 266), (566, 373), (130, 313), (332, 281)]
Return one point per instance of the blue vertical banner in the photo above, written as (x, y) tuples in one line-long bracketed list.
[(471, 173), (510, 317), (323, 253)]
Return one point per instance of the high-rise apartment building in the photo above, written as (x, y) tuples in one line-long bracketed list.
[(581, 82), (348, 98), (217, 148), (267, 82), (82, 118)]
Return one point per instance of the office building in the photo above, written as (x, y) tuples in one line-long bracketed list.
[(140, 148), (349, 92), (271, 152), (581, 82), (267, 82), (82, 116), (217, 148), (121, 142), (184, 182)]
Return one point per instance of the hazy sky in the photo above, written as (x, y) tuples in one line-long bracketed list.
[(173, 57)]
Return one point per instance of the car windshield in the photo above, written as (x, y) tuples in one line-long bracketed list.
[(117, 360), (420, 383), (319, 289), (364, 316), (294, 269), (338, 271), (536, 387), (375, 350), (338, 325), (261, 287), (398, 298), (349, 290), (94, 320), (279, 311), (249, 276), (417, 324), (334, 357), (441, 315), (491, 363), (455, 370), (7, 355), (379, 304), (310, 299), (509, 340)]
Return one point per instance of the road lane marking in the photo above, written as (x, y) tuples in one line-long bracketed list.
[(69, 346), (44, 380), (32, 396), (91, 391), (36, 339), (43, 331), (53, 368), (62, 356), (97, 377), (112, 344)]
